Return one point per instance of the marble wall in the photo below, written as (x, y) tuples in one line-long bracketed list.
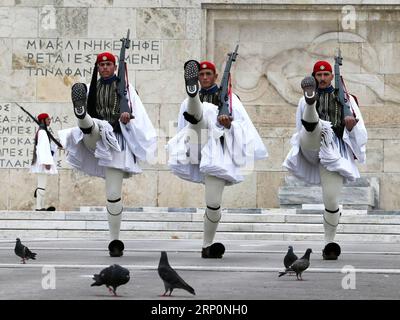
[(47, 45)]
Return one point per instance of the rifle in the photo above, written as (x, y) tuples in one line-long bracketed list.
[(224, 106), (340, 93), (122, 71), (41, 125)]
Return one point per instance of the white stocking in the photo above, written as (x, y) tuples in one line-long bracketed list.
[(332, 183), (310, 140), (213, 189), (41, 190), (114, 178), (89, 139)]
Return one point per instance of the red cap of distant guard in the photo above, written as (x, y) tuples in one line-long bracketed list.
[(208, 65), (43, 116), (322, 66), (105, 56)]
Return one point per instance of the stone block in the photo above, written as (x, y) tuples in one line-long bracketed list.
[(54, 89), (181, 3), (137, 3), (161, 23), (241, 195), (275, 148), (276, 132), (140, 190), (177, 52), (383, 133), (272, 116), (18, 22), (17, 86), (176, 192), (165, 86), (268, 184), (21, 193), (193, 23), (64, 23), (391, 156), (361, 194), (4, 188), (5, 54), (282, 30), (169, 119), (375, 157), (38, 3), (77, 189), (124, 18), (153, 111), (88, 3), (375, 117), (7, 3), (389, 194), (359, 197), (388, 54)]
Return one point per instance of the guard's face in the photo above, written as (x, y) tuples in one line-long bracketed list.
[(106, 69), (47, 121), (324, 79), (207, 78)]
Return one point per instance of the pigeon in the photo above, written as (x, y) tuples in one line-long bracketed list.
[(171, 279), (299, 266), (23, 252), (112, 276), (289, 258)]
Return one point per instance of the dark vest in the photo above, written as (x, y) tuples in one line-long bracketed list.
[(329, 109), (210, 95), (107, 102)]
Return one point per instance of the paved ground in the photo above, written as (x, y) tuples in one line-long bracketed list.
[(248, 271)]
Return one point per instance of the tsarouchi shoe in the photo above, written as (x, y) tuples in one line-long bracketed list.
[(215, 251), (78, 96)]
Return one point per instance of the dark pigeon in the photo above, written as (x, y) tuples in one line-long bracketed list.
[(23, 252), (299, 266), (112, 277), (171, 279), (289, 258)]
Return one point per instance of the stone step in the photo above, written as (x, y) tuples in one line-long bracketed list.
[(271, 236), (271, 216), (162, 223), (351, 196), (360, 194), (196, 226)]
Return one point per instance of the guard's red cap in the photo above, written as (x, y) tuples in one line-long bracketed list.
[(105, 56), (43, 116), (322, 66), (208, 65)]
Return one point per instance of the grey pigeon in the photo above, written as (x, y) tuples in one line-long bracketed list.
[(171, 279), (112, 276), (289, 258), (299, 266), (23, 252)]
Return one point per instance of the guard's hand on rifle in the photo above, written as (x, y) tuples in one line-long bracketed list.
[(125, 117), (350, 122), (225, 121)]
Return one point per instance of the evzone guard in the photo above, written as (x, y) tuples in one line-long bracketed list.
[(114, 133), (44, 160), (330, 137), (215, 141)]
